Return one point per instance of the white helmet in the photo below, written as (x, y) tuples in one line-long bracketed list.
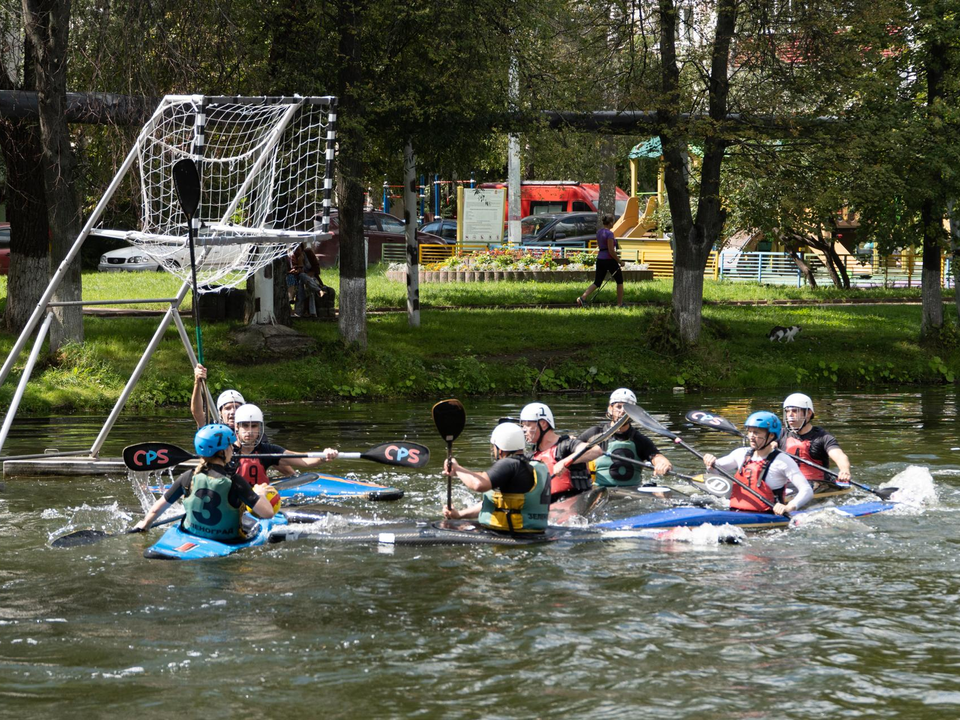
[(798, 400), (248, 413), (623, 395), (537, 411), (229, 396), (508, 437)]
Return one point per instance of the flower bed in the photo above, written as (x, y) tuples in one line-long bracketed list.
[(525, 265)]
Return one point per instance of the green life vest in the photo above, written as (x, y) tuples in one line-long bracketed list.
[(209, 512), (519, 512), (614, 473)]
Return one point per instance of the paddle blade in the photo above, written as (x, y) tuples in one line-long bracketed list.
[(80, 537), (450, 419), (186, 180), (714, 422), (154, 456), (400, 454), (715, 485), (641, 417)]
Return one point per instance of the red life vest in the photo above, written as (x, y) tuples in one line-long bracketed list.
[(562, 483), (753, 474), (253, 471), (801, 449)]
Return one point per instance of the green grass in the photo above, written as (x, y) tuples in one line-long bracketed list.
[(493, 349)]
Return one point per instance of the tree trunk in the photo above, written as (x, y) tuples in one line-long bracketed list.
[(693, 239), (47, 24), (930, 293), (804, 268), (353, 270), (410, 193), (607, 203)]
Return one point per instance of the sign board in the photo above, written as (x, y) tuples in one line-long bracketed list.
[(480, 215)]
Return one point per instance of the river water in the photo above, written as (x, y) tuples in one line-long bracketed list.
[(837, 618)]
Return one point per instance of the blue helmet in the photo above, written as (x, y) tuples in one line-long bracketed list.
[(766, 420), (211, 439)]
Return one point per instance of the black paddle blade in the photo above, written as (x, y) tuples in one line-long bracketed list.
[(714, 422), (400, 454), (80, 537), (154, 456), (884, 493), (186, 180), (641, 417), (450, 419)]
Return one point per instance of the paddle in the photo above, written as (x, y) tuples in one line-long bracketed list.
[(450, 419), (594, 441), (157, 456), (722, 489), (641, 417), (715, 422), (88, 536)]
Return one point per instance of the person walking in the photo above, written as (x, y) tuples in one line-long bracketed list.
[(608, 262)]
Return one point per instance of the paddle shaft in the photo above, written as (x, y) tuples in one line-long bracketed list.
[(596, 440), (649, 466), (449, 477), (883, 494)]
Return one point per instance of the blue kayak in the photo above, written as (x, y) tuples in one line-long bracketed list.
[(177, 544), (333, 486), (693, 516), (313, 485)]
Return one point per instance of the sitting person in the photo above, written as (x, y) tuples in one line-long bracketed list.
[(213, 497)]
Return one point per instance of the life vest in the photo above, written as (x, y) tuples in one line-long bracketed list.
[(615, 473), (567, 482), (209, 512), (252, 470), (801, 449), (519, 512), (753, 474)]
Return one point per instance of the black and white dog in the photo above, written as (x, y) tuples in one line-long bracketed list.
[(784, 334)]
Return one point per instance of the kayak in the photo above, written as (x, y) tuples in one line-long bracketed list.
[(468, 532), (333, 486), (312, 485), (177, 544), (693, 516)]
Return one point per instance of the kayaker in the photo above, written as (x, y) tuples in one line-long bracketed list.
[(556, 451), (763, 468), (227, 402), (804, 440), (628, 442), (250, 434), (516, 498), (213, 498)]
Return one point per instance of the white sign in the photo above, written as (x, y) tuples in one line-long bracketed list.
[(481, 215)]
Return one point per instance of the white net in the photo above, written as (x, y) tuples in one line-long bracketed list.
[(265, 169)]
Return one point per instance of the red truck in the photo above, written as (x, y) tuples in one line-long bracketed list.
[(538, 197)]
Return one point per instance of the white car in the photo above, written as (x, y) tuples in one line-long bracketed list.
[(133, 258)]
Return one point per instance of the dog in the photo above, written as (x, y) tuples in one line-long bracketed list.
[(784, 334)]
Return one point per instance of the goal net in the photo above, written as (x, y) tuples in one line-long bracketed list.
[(266, 176)]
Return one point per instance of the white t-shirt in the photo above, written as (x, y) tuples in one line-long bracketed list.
[(782, 470)]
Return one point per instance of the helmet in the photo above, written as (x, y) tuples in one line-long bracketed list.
[(798, 400), (229, 396), (211, 439), (766, 420), (248, 413), (623, 395), (508, 437), (537, 411)]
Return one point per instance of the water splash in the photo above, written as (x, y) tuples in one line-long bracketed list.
[(916, 492)]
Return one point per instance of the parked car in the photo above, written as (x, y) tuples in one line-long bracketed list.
[(133, 258), (447, 229), (573, 230), (378, 229), (4, 248)]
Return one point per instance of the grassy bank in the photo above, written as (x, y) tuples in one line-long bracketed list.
[(489, 349)]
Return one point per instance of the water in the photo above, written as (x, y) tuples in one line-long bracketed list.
[(838, 618)]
